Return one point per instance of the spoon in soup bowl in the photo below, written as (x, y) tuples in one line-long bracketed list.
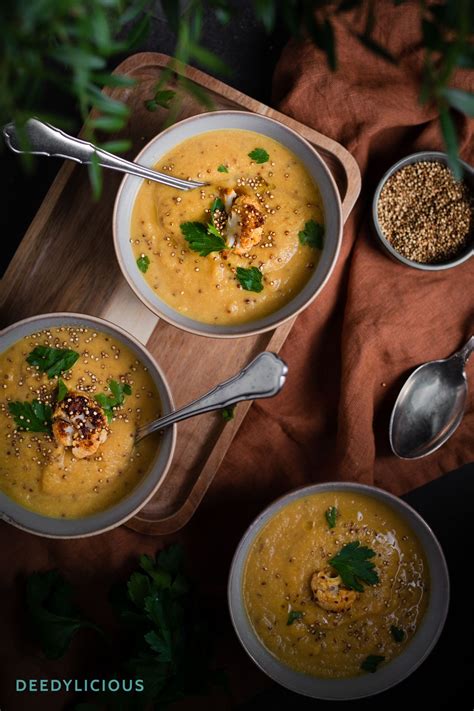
[(45, 140), (430, 406), (263, 377)]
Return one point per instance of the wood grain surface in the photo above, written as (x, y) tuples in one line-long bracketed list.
[(66, 262)]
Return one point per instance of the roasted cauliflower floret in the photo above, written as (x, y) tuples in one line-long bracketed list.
[(79, 422), (329, 593), (244, 227)]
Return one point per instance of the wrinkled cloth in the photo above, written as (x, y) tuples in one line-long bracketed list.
[(348, 355)]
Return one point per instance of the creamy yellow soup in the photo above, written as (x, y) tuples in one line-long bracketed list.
[(206, 288), (302, 610), (44, 476)]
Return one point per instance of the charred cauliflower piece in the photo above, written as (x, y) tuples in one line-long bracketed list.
[(244, 227), (329, 593), (79, 422)]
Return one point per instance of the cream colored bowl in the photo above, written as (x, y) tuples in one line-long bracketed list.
[(23, 518), (203, 123), (388, 674)]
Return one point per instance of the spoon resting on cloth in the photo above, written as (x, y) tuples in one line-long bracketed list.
[(46, 140), (430, 406), (263, 377)]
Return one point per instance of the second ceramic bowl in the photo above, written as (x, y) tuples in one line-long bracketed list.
[(203, 123)]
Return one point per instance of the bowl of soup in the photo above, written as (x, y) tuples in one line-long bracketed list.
[(249, 249), (73, 391), (338, 591)]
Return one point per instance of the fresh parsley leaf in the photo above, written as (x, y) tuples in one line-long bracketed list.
[(331, 515), (250, 279), (217, 204), (312, 235), (353, 566), (200, 240), (371, 662), (228, 413), (212, 230), (222, 168), (62, 390), (259, 155), (397, 633), (162, 98), (34, 416), (109, 402), (143, 262), (293, 615), (53, 617), (52, 361)]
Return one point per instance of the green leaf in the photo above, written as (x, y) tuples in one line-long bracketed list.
[(164, 97), (353, 566), (312, 235), (35, 416), (222, 169), (159, 646), (228, 413), (448, 130), (95, 176), (143, 262), (62, 390), (139, 588), (293, 615), (259, 155), (331, 515), (52, 361), (371, 663), (107, 123), (200, 240), (397, 633), (162, 579), (376, 48), (461, 100), (117, 146), (109, 402), (52, 615), (250, 279), (171, 559), (265, 11), (217, 204)]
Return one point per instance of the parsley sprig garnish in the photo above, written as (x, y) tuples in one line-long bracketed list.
[(204, 238), (353, 565), (34, 416), (222, 168), (143, 262), (109, 402), (312, 235), (293, 615), (331, 515), (371, 662), (397, 633), (250, 279), (259, 155), (52, 361)]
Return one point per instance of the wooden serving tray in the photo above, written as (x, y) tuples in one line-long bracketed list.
[(66, 262)]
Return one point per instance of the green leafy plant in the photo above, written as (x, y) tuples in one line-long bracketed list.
[(259, 155), (331, 515), (34, 416), (250, 279), (228, 413), (371, 663), (109, 402), (52, 361), (397, 633), (312, 235), (353, 565), (163, 637), (294, 615)]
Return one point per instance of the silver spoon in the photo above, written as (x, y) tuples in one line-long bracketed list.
[(430, 406), (263, 377), (46, 140)]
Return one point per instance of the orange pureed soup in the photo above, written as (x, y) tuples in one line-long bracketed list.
[(265, 232), (40, 466), (336, 584)]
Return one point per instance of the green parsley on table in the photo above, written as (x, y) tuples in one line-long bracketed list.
[(143, 262), (259, 155), (162, 98), (109, 402), (222, 168), (34, 416), (293, 615), (353, 566), (371, 662), (201, 239), (52, 361), (331, 515), (62, 390), (312, 235), (397, 633), (228, 413), (250, 279)]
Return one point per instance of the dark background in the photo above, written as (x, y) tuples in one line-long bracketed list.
[(444, 681)]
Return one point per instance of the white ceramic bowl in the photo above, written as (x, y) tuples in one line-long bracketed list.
[(388, 674), (23, 518), (203, 123)]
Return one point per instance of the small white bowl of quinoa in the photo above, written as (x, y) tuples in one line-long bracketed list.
[(424, 217)]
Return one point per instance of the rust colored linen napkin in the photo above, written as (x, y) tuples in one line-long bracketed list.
[(348, 355)]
